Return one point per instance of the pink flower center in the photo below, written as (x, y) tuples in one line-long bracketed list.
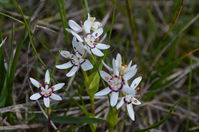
[(116, 83)]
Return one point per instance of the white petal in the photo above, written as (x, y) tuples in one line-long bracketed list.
[(78, 46), (97, 33), (47, 77), (107, 67), (130, 63), (120, 103), (58, 86), (35, 82), (97, 52), (135, 101), (65, 65), (102, 46), (74, 34), (65, 54), (76, 27), (119, 60), (35, 96), (55, 97), (130, 111), (115, 68), (105, 76), (86, 65), (87, 49), (87, 26), (128, 90), (97, 25), (133, 67), (47, 102), (114, 98), (131, 72), (103, 92), (89, 16), (136, 82), (72, 71)]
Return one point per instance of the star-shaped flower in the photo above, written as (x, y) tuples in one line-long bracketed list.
[(46, 92), (130, 99), (76, 60), (126, 71), (92, 44), (89, 35), (115, 85)]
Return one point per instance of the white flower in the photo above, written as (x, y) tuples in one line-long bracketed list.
[(76, 60), (75, 30), (92, 45), (3, 42), (89, 35), (126, 71), (129, 100), (116, 83), (118, 80), (46, 92), (92, 23)]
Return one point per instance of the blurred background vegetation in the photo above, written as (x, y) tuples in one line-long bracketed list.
[(160, 36)]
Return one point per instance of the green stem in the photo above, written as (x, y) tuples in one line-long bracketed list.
[(92, 104), (112, 118), (133, 27), (49, 115), (29, 33), (111, 128), (86, 6), (62, 12)]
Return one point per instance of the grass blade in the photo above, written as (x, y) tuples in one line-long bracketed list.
[(62, 12)]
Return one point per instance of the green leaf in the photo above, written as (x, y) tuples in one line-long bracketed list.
[(112, 117), (92, 83)]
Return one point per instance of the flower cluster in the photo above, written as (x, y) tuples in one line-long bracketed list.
[(118, 81), (88, 34), (86, 39)]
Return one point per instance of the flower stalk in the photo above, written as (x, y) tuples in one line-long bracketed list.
[(112, 118), (87, 42)]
